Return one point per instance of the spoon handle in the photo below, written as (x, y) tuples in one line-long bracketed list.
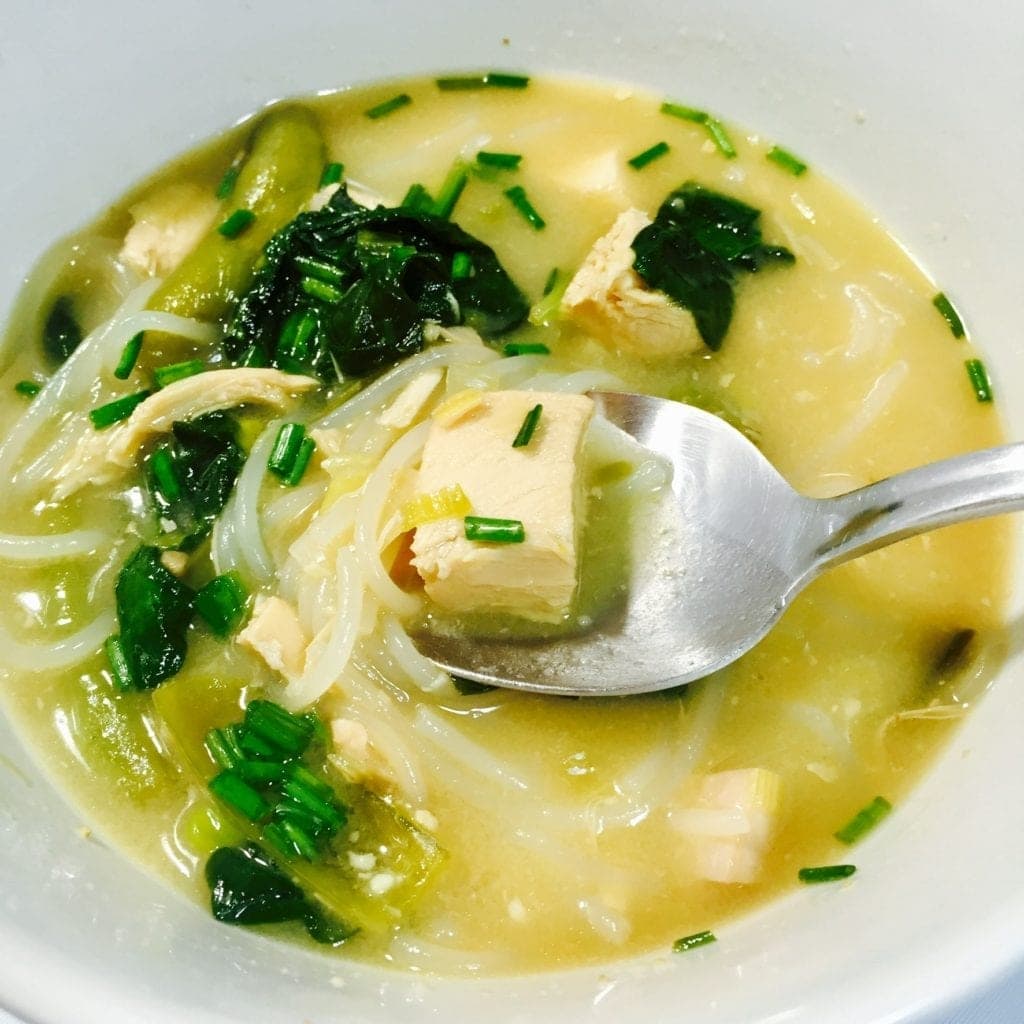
[(965, 487)]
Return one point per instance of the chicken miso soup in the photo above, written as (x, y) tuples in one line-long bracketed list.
[(325, 380)]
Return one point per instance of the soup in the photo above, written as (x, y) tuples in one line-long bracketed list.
[(217, 405)]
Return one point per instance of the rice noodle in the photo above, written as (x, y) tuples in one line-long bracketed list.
[(328, 528), (56, 654), (371, 508), (330, 662), (49, 547), (573, 383), (417, 668)]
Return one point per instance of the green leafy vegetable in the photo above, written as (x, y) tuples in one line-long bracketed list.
[(205, 458), (698, 242), (154, 610), (470, 687), (394, 272), (864, 821), (61, 332)]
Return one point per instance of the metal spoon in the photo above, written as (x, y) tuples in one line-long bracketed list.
[(729, 549)]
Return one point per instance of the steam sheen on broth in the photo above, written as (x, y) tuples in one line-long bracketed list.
[(495, 831)]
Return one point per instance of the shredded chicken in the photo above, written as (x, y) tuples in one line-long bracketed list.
[(276, 635), (103, 456), (357, 757), (166, 227), (610, 300)]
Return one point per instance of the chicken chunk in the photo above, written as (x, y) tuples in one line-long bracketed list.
[(101, 457), (608, 298), (166, 227), (730, 823), (537, 484), (276, 635)]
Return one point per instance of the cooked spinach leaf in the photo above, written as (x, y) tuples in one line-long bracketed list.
[(698, 242), (247, 888), (366, 281), (191, 476), (61, 332), (154, 610)]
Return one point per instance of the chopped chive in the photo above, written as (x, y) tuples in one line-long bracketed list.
[(296, 839), (221, 602), (684, 113), (286, 448), (262, 771), (321, 290), (787, 161), (948, 310), (549, 284), (233, 790), (119, 409), (165, 476), (165, 375), (417, 198), (517, 196), (504, 161), (403, 99), (28, 388), (311, 801), (641, 160), (720, 137), (491, 79), (257, 746), (331, 174), (494, 531), (227, 183), (239, 221), (319, 269), (222, 746), (271, 722), (451, 190), (120, 669), (470, 687), (296, 335), (301, 463), (129, 356), (530, 422), (864, 821), (978, 376), (693, 941), (526, 348), (830, 873), (462, 266), (305, 777)]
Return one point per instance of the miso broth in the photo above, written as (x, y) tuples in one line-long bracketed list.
[(501, 832)]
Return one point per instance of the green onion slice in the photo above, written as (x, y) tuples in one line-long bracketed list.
[(978, 376), (119, 409), (129, 356), (451, 190), (641, 160), (286, 449), (301, 462), (864, 821), (517, 197), (321, 290), (227, 183), (720, 137), (221, 602), (530, 422), (120, 669), (526, 348), (830, 873), (949, 313), (786, 160), (165, 475), (239, 221), (165, 375), (28, 388), (491, 79), (689, 942), (503, 161), (233, 790), (417, 198), (494, 531), (403, 99), (684, 113), (331, 174)]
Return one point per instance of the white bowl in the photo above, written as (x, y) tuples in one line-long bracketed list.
[(916, 109)]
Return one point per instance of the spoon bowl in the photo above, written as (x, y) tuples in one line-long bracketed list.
[(721, 554)]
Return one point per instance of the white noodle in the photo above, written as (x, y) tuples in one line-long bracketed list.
[(324, 669), (328, 528), (401, 650), (573, 383), (371, 507), (57, 654), (250, 551), (49, 547)]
